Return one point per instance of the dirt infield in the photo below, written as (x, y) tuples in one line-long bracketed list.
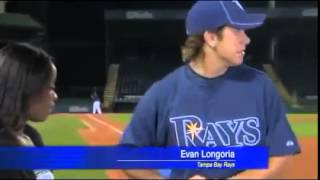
[(304, 165), (104, 131)]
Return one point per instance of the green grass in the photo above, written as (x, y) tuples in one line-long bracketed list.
[(123, 117), (63, 130), (80, 174), (305, 129)]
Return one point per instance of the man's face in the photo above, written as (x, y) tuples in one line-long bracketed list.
[(230, 48)]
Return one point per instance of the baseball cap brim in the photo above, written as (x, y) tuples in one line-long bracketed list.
[(248, 21)]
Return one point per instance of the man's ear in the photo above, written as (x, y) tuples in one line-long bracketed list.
[(210, 38)]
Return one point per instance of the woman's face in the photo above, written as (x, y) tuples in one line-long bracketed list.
[(43, 104)]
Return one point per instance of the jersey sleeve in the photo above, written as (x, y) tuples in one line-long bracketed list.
[(280, 137), (141, 130)]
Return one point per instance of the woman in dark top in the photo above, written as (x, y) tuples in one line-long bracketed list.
[(27, 93)]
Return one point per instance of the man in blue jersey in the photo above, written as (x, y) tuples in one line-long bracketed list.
[(214, 99)]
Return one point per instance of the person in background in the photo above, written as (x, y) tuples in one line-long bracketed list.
[(96, 102), (27, 94)]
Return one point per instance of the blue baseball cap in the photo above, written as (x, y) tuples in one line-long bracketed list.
[(209, 15)]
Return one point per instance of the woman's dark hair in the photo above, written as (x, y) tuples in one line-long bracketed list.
[(25, 70)]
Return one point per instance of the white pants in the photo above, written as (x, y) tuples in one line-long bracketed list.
[(96, 107)]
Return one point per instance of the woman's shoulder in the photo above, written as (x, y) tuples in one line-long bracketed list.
[(34, 135), (7, 139), (17, 174)]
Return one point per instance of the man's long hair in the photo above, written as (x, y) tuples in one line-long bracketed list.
[(193, 45)]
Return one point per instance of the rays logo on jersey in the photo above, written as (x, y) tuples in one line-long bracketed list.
[(191, 131)]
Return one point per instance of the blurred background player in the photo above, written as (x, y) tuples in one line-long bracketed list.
[(96, 105)]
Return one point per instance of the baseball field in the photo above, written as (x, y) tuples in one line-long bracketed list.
[(106, 129)]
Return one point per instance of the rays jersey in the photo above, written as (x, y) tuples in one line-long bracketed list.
[(239, 108)]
